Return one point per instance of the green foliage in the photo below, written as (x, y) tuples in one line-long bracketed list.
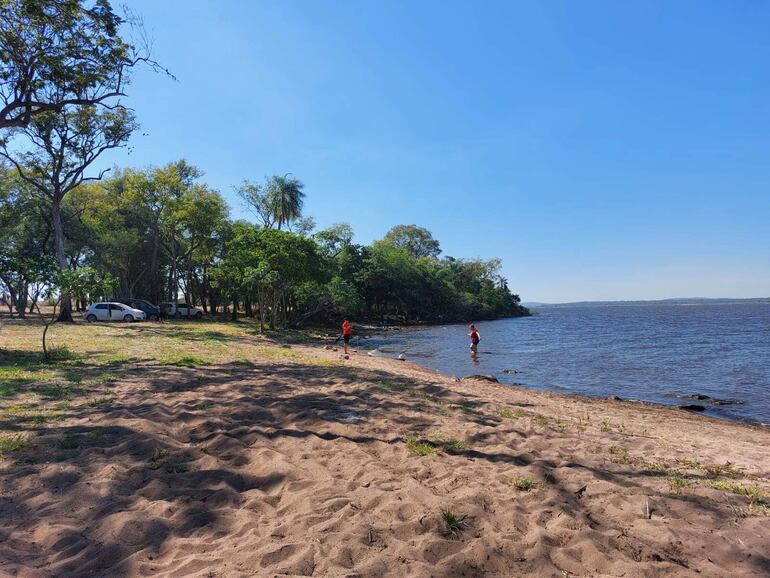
[(12, 443), (508, 413), (416, 241), (57, 53), (454, 445), (86, 283), (160, 232), (419, 448), (276, 203), (455, 523), (522, 483)]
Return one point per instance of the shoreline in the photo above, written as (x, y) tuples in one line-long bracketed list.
[(395, 366), (203, 449), (641, 402)]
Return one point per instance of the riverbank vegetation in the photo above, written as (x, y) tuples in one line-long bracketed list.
[(164, 235)]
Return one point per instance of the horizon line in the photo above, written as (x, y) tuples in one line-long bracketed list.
[(534, 302)]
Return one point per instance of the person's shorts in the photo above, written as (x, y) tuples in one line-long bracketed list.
[(346, 338)]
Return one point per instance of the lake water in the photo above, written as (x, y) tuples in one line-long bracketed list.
[(653, 352)]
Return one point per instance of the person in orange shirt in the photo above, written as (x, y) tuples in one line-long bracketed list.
[(475, 338), (347, 333)]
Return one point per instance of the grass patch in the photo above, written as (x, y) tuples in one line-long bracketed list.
[(678, 483), (715, 470), (455, 445), (392, 386), (752, 510), (753, 493), (455, 523), (465, 409), (541, 420), (693, 464), (12, 443), (33, 415), (559, 426), (59, 391), (61, 353), (97, 401), (419, 448), (619, 455), (522, 483), (189, 361), (656, 468), (508, 413), (583, 422)]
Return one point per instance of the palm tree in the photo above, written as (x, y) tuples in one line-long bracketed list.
[(286, 197)]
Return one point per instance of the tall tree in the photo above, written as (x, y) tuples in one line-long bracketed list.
[(259, 202), (417, 241), (62, 147), (287, 196), (60, 53)]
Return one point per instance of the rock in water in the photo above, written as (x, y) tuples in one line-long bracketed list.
[(693, 407), (490, 378), (615, 398)]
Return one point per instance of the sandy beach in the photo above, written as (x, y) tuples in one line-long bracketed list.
[(288, 460)]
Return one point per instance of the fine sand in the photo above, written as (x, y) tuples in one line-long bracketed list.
[(284, 467)]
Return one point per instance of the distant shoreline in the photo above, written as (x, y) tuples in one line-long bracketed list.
[(650, 302)]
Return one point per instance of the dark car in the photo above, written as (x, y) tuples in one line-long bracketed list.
[(151, 311)]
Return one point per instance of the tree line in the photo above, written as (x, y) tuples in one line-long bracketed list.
[(164, 235)]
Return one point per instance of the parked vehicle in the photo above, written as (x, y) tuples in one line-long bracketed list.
[(111, 311), (180, 310), (152, 312)]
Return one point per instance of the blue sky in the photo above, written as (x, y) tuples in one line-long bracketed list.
[(603, 150)]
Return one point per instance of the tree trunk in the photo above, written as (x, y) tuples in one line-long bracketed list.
[(65, 313), (155, 289)]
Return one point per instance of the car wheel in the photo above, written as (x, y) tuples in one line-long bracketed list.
[(154, 318), (128, 318), (199, 315), (91, 318), (178, 315)]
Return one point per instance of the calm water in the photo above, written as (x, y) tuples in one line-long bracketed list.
[(659, 353)]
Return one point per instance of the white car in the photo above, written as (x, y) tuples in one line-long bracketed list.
[(181, 310), (112, 312)]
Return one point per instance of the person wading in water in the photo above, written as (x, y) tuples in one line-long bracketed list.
[(475, 338)]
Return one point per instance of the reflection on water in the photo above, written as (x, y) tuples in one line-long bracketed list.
[(661, 353)]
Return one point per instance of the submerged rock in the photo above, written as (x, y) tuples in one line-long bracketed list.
[(693, 407), (713, 400), (490, 378)]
